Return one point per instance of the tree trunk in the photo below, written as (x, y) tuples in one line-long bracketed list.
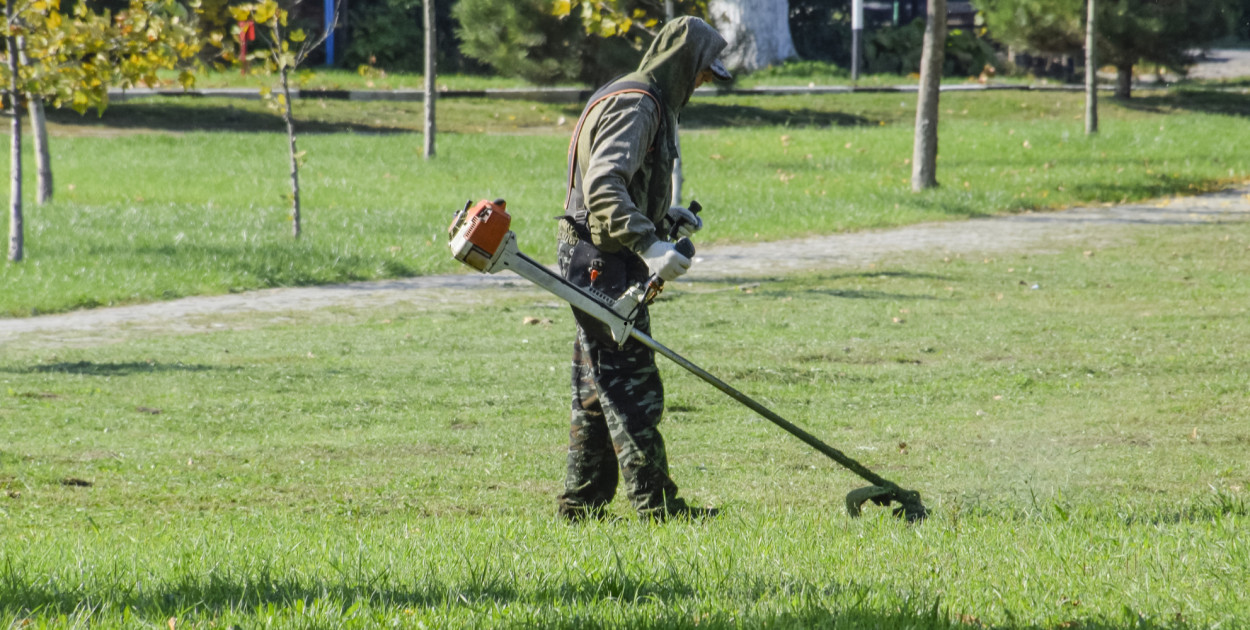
[(294, 152), (924, 154), (39, 133), (15, 145), (431, 69), (758, 32), (1091, 72), (43, 153), (1123, 80)]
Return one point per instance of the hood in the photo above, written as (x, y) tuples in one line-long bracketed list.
[(682, 49)]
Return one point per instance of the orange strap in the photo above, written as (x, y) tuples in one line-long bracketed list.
[(577, 132)]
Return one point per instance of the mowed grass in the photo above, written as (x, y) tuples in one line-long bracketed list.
[(1081, 443), (177, 196)]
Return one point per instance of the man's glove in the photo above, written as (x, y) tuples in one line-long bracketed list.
[(664, 260), (684, 222)]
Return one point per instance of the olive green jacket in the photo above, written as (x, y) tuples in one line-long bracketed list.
[(627, 143)]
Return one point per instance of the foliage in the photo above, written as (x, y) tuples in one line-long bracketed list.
[(77, 56), (1053, 27), (389, 35), (523, 38), (625, 18), (1163, 33), (1130, 31), (821, 30), (897, 49)]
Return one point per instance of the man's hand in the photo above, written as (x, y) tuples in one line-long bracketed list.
[(684, 221), (665, 261)]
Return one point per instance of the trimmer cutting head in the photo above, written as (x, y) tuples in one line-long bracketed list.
[(909, 508)]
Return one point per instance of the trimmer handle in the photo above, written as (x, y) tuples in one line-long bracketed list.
[(694, 209), (655, 283)]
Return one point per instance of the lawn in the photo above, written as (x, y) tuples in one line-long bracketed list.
[(171, 197), (1081, 444)]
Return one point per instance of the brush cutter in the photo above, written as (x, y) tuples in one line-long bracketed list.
[(481, 238)]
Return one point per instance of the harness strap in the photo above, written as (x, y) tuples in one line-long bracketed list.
[(580, 214)]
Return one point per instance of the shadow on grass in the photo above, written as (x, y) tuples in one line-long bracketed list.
[(1194, 100), (300, 603), (183, 117), (90, 368), (295, 601), (705, 115)]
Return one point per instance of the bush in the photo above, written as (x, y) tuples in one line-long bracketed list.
[(897, 49), (521, 38), (390, 34)]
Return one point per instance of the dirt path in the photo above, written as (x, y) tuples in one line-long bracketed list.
[(747, 262)]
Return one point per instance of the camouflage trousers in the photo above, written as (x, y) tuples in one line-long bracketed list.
[(617, 403)]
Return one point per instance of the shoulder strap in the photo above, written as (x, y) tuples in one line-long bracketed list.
[(612, 88)]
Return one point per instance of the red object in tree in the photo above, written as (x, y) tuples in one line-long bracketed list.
[(247, 33)]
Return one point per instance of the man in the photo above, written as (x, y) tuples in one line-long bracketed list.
[(615, 233)]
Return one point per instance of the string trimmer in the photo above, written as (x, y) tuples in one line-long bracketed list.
[(481, 238)]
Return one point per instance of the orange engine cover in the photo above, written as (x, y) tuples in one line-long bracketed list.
[(486, 225)]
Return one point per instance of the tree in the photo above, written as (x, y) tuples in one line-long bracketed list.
[(77, 57), (1091, 68), (16, 233), (758, 32), (551, 42), (431, 66), (1163, 32), (1160, 32), (286, 49), (924, 153)]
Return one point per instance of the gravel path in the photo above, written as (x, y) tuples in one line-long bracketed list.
[(738, 263)]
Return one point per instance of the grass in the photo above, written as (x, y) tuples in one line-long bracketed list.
[(1082, 445), (172, 197)]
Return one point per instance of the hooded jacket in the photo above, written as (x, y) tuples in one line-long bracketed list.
[(624, 151)]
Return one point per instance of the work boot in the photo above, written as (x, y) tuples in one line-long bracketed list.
[(577, 513), (679, 510)]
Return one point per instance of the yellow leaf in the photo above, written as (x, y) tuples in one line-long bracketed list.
[(297, 35), (266, 11), (240, 14), (561, 8)]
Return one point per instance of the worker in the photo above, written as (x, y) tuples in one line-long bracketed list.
[(616, 232)]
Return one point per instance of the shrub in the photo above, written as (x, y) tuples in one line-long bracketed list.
[(390, 34), (897, 49), (521, 38)]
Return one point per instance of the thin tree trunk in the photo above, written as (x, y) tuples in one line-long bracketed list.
[(1123, 80), (1091, 72), (678, 176), (294, 152), (431, 69), (43, 152), (39, 135), (15, 154), (924, 154)]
